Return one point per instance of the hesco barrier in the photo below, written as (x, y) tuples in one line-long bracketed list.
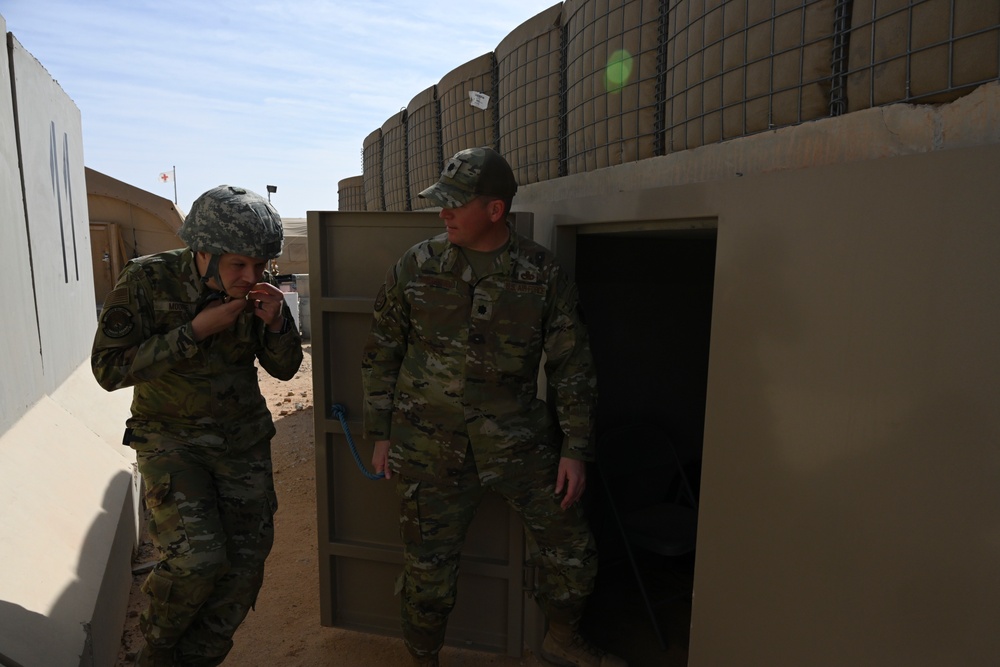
[(423, 145), (588, 84), (612, 50), (463, 124), (927, 52), (744, 67), (371, 169), (351, 194), (394, 186), (529, 82)]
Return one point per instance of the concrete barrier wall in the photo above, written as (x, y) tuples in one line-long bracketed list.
[(849, 427), (70, 523), (21, 371)]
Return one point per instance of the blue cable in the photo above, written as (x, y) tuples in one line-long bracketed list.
[(340, 412)]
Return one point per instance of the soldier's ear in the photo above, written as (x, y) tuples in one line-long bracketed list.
[(495, 209), (201, 260)]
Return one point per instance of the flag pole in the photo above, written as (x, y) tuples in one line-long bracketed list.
[(174, 170)]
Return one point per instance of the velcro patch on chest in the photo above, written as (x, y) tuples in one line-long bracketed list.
[(525, 288), (440, 283), (173, 306)]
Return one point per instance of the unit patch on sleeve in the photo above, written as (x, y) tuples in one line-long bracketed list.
[(117, 322), (380, 299)]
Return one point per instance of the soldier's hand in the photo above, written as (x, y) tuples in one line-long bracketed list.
[(380, 458), (266, 300), (572, 476), (216, 316)]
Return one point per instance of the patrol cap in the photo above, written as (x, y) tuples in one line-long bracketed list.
[(469, 174)]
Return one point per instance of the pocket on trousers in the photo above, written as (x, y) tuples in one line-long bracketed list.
[(157, 490), (166, 525), (266, 530), (157, 587), (409, 511)]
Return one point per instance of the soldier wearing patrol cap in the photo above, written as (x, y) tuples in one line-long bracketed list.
[(185, 329), (450, 379)]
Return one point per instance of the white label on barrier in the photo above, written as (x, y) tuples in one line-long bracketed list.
[(479, 100)]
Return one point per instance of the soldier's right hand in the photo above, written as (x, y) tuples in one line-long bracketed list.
[(216, 316), (380, 458)]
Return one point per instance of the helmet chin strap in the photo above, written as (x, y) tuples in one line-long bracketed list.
[(212, 271)]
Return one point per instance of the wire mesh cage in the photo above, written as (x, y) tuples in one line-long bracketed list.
[(920, 51), (529, 86), (423, 145), (739, 67), (351, 194), (612, 73), (588, 84), (468, 106), (371, 171), (394, 184)]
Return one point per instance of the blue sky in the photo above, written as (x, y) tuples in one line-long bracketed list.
[(249, 93)]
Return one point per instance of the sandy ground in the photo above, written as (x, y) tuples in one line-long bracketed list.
[(285, 630)]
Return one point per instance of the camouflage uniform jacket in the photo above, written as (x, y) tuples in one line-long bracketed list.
[(453, 361), (202, 392)]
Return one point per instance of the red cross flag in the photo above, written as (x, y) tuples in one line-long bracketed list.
[(166, 176)]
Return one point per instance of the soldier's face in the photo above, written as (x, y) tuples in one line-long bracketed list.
[(239, 274), (476, 225)]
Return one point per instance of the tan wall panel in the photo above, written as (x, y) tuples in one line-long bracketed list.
[(529, 66), (848, 489)]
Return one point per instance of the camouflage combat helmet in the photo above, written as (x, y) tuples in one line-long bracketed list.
[(229, 219)]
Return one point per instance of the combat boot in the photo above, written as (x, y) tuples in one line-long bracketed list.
[(564, 646)]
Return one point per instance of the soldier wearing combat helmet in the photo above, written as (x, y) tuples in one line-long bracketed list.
[(450, 378), (186, 329)]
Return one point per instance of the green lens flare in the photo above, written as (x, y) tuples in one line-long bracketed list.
[(618, 71)]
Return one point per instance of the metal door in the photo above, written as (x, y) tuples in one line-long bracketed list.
[(360, 551)]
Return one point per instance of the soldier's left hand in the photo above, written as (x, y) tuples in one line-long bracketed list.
[(572, 477), (266, 301)]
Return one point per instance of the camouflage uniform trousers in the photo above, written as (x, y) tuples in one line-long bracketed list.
[(434, 519), (212, 522)]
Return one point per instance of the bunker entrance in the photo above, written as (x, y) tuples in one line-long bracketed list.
[(646, 296)]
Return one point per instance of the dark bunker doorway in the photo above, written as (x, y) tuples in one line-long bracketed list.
[(646, 296)]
